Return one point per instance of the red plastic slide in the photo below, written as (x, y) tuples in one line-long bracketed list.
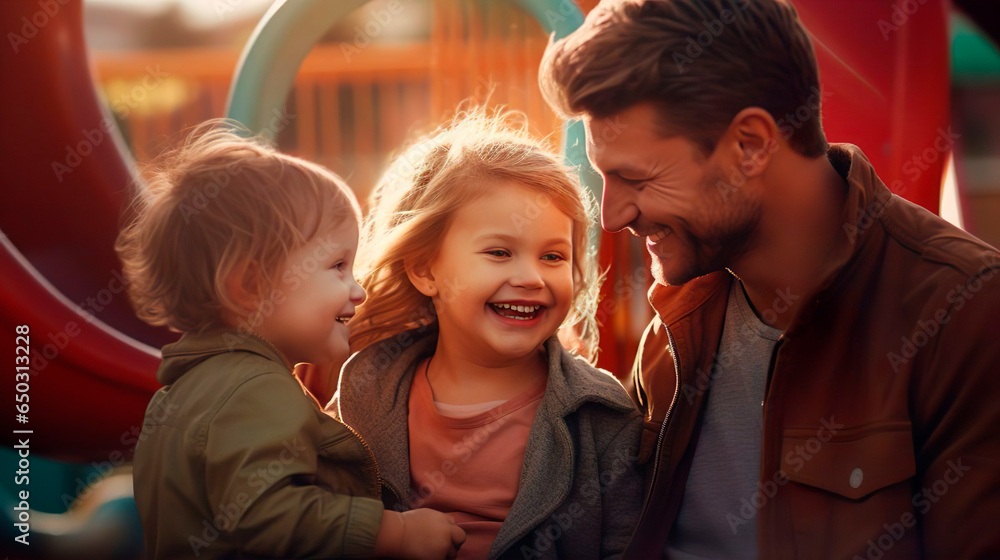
[(65, 185)]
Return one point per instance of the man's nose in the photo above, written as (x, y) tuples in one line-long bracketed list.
[(617, 208)]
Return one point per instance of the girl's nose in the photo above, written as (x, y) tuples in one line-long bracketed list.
[(527, 276)]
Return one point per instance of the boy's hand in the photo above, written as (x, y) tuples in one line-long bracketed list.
[(430, 535), (422, 534)]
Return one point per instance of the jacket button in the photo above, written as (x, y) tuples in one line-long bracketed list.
[(856, 477)]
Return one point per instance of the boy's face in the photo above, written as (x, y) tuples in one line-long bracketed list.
[(305, 315), (509, 249)]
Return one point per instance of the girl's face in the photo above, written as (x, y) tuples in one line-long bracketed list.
[(503, 280)]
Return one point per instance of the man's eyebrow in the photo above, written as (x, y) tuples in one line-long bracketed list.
[(628, 170), (623, 168)]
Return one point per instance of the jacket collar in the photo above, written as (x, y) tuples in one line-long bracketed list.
[(193, 348), (867, 199), (373, 397)]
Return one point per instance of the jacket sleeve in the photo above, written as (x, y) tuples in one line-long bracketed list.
[(261, 462), (623, 496), (956, 415)]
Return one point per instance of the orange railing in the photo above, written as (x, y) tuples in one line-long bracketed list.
[(349, 112)]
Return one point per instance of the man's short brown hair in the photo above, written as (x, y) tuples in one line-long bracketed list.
[(700, 61)]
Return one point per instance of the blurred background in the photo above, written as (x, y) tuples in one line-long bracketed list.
[(916, 84)]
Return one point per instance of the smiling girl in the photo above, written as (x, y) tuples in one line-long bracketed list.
[(476, 261)]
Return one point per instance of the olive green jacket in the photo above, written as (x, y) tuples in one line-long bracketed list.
[(236, 459)]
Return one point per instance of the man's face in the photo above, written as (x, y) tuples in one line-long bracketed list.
[(696, 216)]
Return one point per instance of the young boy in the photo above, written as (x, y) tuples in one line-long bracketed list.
[(249, 253)]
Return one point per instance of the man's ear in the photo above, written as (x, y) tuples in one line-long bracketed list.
[(422, 279), (755, 137), (242, 285)]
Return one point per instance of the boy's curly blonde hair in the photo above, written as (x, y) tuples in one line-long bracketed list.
[(221, 204), (412, 208)]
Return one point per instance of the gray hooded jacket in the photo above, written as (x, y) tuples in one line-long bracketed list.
[(581, 489)]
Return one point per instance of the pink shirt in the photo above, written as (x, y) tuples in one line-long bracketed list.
[(470, 466)]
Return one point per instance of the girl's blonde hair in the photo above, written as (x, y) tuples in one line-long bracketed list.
[(412, 208), (221, 204)]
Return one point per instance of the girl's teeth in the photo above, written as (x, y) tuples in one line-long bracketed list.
[(519, 308)]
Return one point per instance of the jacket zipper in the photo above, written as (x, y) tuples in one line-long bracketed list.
[(378, 473), (666, 418)]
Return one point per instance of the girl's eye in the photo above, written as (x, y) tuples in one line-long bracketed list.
[(339, 265), (553, 257), (498, 253)]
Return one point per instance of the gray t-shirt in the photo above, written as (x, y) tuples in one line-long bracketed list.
[(717, 517)]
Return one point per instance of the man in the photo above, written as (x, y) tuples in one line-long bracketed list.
[(819, 380)]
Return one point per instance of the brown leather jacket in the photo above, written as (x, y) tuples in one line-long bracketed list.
[(882, 400)]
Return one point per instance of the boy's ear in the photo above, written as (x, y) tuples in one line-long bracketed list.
[(242, 285), (422, 279)]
